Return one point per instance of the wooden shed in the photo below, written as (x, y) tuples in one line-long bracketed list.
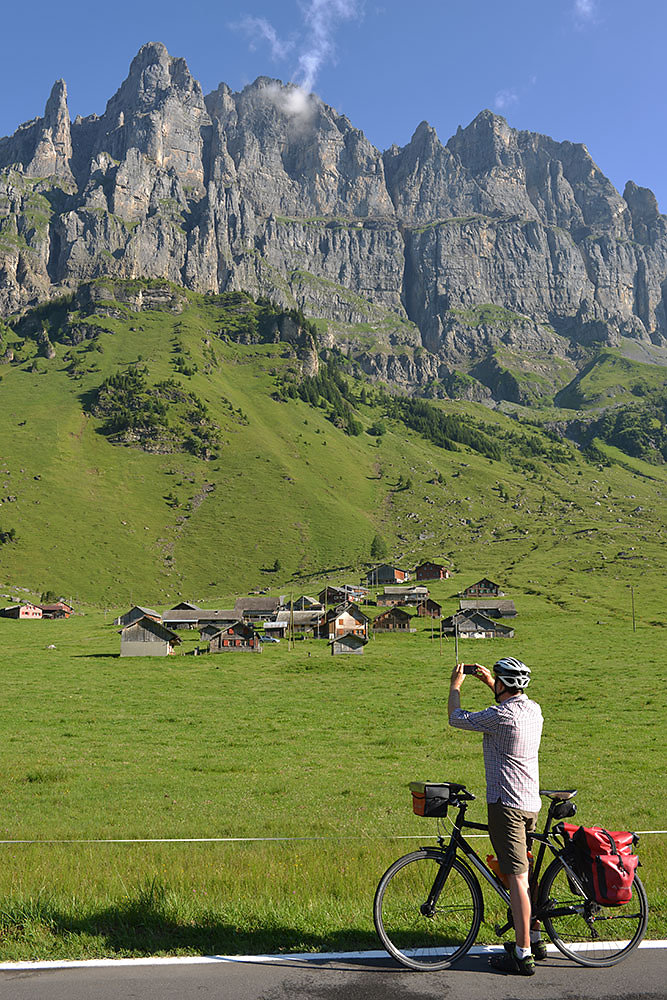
[(135, 613), (348, 642), (147, 637)]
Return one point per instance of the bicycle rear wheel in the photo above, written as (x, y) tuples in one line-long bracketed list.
[(422, 940), (583, 930)]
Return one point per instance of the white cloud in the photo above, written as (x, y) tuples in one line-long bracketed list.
[(321, 18), (259, 29), (316, 44), (505, 99), (585, 11)]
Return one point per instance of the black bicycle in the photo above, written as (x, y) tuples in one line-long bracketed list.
[(429, 905)]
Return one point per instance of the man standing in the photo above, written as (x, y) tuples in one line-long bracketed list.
[(512, 730)]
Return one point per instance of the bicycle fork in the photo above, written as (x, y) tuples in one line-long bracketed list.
[(427, 909)]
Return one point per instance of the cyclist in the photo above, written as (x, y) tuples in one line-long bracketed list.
[(512, 730)]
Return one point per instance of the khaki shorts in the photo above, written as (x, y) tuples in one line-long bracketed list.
[(510, 830)]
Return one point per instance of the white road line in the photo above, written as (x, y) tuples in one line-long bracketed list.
[(96, 963)]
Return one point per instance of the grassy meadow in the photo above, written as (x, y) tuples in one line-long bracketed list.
[(296, 744), (293, 743)]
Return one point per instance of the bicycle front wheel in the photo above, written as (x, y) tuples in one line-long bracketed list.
[(583, 930), (419, 937)]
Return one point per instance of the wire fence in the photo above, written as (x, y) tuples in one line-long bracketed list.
[(250, 840)]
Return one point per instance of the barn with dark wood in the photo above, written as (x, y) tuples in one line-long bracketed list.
[(432, 571), (393, 620), (385, 573), (429, 608), (483, 588)]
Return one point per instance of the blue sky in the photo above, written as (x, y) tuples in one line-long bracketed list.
[(591, 71)]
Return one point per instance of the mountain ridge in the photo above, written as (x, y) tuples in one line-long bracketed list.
[(274, 192)]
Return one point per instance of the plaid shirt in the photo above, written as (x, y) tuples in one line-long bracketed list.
[(512, 731)]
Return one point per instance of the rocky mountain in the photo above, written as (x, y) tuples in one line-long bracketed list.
[(503, 254)]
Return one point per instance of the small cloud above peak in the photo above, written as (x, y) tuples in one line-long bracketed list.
[(585, 12), (505, 99)]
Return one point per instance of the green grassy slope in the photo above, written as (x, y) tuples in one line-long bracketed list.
[(104, 523)]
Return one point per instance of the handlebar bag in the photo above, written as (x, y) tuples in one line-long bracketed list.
[(430, 799)]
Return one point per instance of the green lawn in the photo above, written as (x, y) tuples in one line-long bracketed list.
[(292, 743)]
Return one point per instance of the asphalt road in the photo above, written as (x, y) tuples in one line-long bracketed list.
[(643, 976)]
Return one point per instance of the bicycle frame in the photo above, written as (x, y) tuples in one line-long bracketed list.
[(458, 844)]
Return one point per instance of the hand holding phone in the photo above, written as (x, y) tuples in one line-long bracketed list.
[(469, 668)]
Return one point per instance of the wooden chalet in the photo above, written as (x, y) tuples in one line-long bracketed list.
[(347, 642), (237, 638), (385, 573), (492, 607), (24, 612), (393, 620), (403, 595), (257, 609), (342, 619), (135, 613), (483, 588), (432, 571), (475, 625), (182, 615), (338, 595), (57, 609), (429, 608), (147, 637)]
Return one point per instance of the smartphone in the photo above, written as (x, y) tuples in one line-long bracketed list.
[(469, 668)]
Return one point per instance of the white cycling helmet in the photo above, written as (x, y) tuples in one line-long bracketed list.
[(513, 673)]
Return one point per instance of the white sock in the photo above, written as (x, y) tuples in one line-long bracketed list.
[(535, 936), (521, 952)]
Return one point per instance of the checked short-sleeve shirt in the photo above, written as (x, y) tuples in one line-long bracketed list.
[(512, 732)]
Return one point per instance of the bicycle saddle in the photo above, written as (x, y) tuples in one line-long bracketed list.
[(566, 793)]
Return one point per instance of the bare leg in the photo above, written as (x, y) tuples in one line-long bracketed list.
[(521, 908)]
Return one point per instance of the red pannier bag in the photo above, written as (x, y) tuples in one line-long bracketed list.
[(605, 860)]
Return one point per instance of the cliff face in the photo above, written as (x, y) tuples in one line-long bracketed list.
[(275, 193)]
